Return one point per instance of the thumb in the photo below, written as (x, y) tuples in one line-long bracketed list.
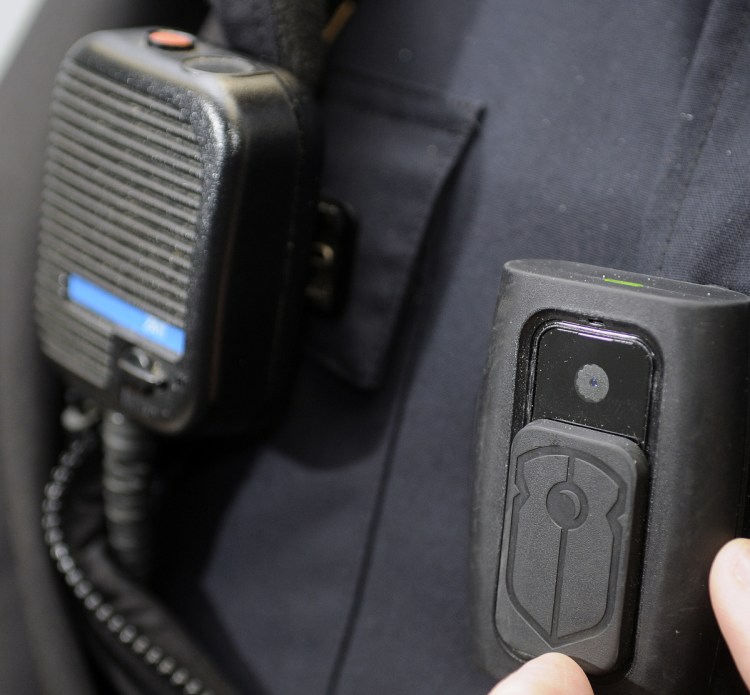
[(729, 584), (549, 674)]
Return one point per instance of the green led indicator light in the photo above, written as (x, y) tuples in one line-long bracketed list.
[(623, 282)]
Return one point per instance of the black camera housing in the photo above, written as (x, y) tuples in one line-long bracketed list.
[(180, 197), (672, 438)]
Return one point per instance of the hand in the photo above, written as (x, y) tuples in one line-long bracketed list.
[(549, 674), (729, 584)]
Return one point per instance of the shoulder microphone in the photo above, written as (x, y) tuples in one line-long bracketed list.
[(179, 203), (179, 199)]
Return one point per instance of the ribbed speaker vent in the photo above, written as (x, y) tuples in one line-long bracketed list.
[(120, 208)]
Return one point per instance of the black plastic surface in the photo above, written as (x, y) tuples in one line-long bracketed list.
[(695, 447), (190, 194), (572, 516), (592, 377)]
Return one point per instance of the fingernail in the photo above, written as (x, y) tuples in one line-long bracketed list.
[(741, 564)]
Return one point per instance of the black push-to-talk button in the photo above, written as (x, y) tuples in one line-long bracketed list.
[(573, 515)]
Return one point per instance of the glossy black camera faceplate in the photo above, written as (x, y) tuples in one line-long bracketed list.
[(592, 376)]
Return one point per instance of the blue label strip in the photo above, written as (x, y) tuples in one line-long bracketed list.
[(119, 312)]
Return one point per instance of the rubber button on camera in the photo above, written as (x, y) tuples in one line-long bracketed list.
[(572, 518), (171, 40)]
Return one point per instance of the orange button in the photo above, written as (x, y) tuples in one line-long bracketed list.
[(171, 40)]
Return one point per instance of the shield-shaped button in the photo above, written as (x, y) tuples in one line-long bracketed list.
[(571, 516)]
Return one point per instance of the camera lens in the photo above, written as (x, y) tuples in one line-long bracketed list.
[(592, 383)]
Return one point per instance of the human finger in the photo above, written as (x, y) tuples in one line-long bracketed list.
[(729, 585), (549, 674)]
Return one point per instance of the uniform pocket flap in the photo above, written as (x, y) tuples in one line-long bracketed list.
[(390, 149)]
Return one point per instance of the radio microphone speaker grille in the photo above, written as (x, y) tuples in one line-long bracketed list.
[(120, 205)]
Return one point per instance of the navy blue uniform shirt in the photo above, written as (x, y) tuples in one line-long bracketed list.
[(332, 557)]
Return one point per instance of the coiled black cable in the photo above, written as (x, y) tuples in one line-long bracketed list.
[(127, 482), (128, 623)]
